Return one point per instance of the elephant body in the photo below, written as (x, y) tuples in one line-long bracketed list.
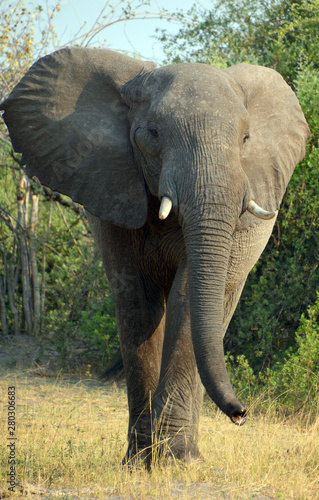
[(168, 163), (141, 266)]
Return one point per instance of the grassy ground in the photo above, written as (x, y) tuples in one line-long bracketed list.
[(71, 436)]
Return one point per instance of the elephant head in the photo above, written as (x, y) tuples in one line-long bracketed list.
[(106, 130)]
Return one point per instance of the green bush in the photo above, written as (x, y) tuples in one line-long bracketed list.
[(241, 376), (82, 324), (296, 381)]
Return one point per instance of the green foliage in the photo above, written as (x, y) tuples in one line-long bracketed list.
[(241, 375), (290, 385), (81, 319), (296, 380), (307, 87), (78, 317), (271, 33)]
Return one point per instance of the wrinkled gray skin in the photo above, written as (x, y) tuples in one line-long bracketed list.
[(118, 134)]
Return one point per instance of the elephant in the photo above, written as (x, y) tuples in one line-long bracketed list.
[(181, 170)]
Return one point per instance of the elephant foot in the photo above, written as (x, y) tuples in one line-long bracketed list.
[(138, 454), (170, 450), (142, 458), (188, 455)]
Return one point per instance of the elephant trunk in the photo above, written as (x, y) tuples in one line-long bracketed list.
[(208, 245)]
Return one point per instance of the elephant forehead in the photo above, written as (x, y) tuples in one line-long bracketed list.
[(194, 87), (188, 73)]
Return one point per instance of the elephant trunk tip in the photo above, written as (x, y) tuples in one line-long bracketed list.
[(238, 416)]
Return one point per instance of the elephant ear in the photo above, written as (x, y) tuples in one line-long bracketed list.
[(68, 119), (277, 136)]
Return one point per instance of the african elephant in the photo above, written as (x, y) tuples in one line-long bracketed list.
[(172, 165)]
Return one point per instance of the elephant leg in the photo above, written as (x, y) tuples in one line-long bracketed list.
[(140, 313), (141, 320), (178, 397)]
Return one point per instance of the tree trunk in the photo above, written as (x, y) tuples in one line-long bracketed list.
[(34, 263), (44, 256), (12, 273), (4, 323), (23, 203)]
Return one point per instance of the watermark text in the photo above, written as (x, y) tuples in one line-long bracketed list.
[(11, 445)]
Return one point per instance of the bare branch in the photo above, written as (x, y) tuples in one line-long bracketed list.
[(127, 14), (7, 219), (69, 229), (78, 209)]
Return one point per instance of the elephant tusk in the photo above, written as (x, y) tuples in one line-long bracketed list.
[(259, 212), (165, 208)]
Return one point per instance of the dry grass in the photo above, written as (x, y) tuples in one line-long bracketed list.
[(71, 436)]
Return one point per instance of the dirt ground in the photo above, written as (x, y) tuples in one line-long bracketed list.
[(21, 352)]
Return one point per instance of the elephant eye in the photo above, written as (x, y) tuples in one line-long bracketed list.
[(153, 132), (246, 137)]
